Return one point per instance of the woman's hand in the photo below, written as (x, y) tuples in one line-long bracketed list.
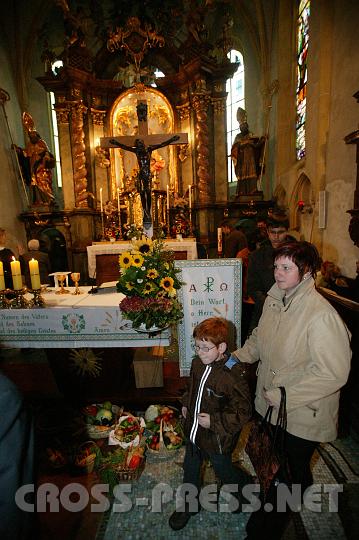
[(272, 397), (204, 420), (184, 412)]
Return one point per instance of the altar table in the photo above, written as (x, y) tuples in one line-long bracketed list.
[(187, 245), (68, 321)]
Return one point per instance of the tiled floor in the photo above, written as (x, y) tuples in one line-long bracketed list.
[(142, 520)]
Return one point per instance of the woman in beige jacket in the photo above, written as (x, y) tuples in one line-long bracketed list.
[(302, 344)]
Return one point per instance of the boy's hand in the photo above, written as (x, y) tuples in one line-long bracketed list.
[(184, 412), (204, 420)]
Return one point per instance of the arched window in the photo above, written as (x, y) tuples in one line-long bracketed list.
[(55, 132), (301, 93), (235, 99)]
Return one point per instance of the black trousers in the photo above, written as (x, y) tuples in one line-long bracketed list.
[(271, 525), (222, 466)]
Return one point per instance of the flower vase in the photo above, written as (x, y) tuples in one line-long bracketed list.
[(153, 330)]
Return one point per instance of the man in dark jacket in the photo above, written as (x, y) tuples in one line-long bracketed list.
[(234, 240), (260, 277), (215, 407)]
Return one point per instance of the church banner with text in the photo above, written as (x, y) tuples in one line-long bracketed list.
[(212, 288)]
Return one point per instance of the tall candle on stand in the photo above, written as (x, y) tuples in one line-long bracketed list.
[(219, 240), (168, 197), (119, 209), (190, 196), (34, 274), (101, 201), (2, 279), (16, 274)]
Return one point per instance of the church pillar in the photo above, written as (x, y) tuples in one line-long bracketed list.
[(102, 161), (78, 110), (200, 102), (62, 115), (220, 148), (185, 156)]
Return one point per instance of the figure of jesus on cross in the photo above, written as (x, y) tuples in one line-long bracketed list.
[(143, 154)]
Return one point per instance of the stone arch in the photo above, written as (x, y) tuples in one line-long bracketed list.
[(301, 207), (280, 196)]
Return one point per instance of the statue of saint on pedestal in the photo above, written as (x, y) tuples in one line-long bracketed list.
[(247, 153)]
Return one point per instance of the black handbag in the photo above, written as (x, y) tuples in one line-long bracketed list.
[(265, 446)]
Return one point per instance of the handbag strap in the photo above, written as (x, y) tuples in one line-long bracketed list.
[(281, 420)]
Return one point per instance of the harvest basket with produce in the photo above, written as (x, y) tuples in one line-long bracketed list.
[(100, 419), (122, 466), (164, 432), (86, 456), (127, 432)]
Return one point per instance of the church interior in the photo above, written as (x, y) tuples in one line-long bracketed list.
[(169, 118)]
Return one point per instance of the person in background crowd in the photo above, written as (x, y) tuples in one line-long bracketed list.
[(303, 346), (42, 258), (234, 240), (6, 256), (260, 277), (215, 408), (16, 462), (261, 232)]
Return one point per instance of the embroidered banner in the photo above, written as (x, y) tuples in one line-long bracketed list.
[(212, 288)]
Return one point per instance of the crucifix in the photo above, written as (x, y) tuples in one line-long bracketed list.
[(143, 144)]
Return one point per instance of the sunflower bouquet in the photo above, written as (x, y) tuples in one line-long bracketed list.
[(149, 281)]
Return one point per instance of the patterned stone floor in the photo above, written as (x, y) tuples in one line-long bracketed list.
[(333, 464)]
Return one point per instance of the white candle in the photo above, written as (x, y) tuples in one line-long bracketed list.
[(34, 274), (190, 196), (168, 197), (118, 207), (101, 202), (16, 274), (219, 239), (2, 279)]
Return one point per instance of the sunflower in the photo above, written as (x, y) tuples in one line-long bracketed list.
[(144, 245), (137, 260), (129, 285), (125, 259), (167, 283), (152, 273), (148, 288)]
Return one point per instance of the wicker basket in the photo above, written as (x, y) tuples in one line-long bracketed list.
[(125, 475), (88, 465), (102, 432)]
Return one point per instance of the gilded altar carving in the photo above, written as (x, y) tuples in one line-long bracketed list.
[(200, 104), (219, 105), (184, 111), (62, 114), (98, 116), (78, 110), (134, 40)]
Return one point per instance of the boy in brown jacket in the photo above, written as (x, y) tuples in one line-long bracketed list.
[(215, 408)]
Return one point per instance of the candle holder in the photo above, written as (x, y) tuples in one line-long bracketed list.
[(19, 302), (38, 300), (168, 219), (4, 302), (190, 223), (103, 227)]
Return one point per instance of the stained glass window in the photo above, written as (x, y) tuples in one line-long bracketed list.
[(302, 72), (235, 99)]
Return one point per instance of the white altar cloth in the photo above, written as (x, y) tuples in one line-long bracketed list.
[(110, 248), (68, 321)]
